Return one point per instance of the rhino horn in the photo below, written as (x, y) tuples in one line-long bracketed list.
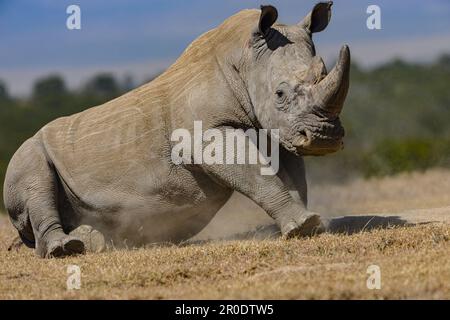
[(330, 93)]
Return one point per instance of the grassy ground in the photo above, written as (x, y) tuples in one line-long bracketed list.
[(414, 262)]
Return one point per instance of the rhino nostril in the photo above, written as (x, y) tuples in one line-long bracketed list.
[(303, 133), (303, 139)]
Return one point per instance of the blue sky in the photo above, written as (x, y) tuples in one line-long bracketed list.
[(142, 37)]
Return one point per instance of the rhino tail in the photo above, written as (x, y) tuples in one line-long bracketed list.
[(19, 241), (16, 244)]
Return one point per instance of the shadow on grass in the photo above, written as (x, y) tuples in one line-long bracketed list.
[(356, 224), (346, 225)]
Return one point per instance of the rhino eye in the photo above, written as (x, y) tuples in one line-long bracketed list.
[(281, 96)]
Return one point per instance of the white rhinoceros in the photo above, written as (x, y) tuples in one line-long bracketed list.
[(110, 167)]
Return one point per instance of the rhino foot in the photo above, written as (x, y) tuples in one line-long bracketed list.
[(60, 247), (93, 240), (307, 224)]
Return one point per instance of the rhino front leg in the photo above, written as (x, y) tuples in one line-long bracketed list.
[(292, 173), (271, 194)]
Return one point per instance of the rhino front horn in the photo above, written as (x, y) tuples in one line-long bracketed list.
[(330, 93)]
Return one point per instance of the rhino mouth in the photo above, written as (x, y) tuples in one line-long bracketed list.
[(325, 138)]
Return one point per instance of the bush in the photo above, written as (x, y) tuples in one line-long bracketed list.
[(395, 156)]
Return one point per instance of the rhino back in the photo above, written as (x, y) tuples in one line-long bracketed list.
[(113, 146)]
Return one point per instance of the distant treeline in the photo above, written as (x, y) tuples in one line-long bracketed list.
[(397, 117)]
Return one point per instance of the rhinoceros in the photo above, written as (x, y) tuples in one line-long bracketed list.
[(109, 169)]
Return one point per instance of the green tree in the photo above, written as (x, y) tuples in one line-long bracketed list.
[(3, 91), (444, 61), (50, 92), (103, 86)]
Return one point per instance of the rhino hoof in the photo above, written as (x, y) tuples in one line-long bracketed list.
[(93, 240), (68, 246), (311, 225)]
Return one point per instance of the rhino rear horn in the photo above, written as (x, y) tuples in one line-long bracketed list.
[(269, 16), (317, 20)]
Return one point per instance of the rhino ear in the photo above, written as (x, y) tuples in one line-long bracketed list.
[(317, 20), (269, 15)]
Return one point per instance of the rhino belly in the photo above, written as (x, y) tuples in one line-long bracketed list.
[(154, 222), (172, 213)]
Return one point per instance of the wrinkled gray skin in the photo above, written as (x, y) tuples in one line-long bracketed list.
[(110, 167)]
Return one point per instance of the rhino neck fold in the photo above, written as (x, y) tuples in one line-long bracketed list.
[(238, 87)]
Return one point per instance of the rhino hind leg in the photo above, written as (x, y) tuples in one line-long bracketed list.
[(59, 246), (31, 195)]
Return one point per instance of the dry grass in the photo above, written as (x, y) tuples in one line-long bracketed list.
[(414, 262)]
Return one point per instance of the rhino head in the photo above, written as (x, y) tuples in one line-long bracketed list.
[(289, 85)]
